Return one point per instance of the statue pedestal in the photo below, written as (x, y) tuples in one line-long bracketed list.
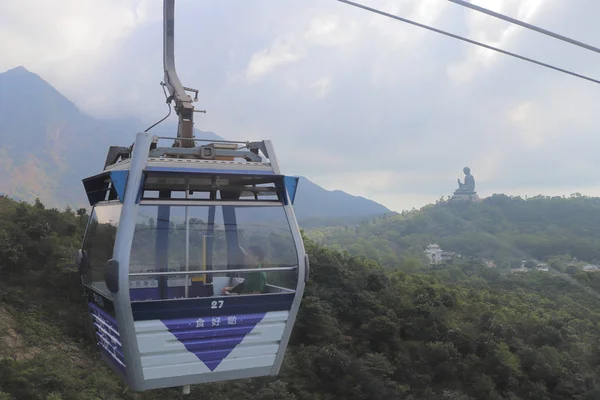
[(460, 197)]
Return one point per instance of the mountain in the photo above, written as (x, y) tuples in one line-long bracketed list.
[(316, 205), (48, 145), (44, 137), (501, 228)]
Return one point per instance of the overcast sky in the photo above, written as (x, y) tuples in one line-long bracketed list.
[(352, 100)]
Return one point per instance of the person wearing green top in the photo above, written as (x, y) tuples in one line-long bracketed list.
[(255, 282)]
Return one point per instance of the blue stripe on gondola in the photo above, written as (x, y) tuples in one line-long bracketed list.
[(119, 182), (209, 170), (212, 339), (108, 336), (211, 306), (291, 184), (100, 301)]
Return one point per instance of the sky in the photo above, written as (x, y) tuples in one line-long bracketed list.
[(352, 100)]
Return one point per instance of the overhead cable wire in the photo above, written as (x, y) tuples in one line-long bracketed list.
[(376, 11), (525, 25)]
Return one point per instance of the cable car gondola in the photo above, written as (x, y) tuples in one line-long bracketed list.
[(165, 237), (192, 261)]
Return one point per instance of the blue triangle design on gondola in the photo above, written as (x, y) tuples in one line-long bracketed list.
[(212, 339)]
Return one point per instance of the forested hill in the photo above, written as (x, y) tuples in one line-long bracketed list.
[(361, 333), (503, 228)]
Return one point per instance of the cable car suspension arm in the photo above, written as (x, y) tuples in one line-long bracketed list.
[(184, 106)]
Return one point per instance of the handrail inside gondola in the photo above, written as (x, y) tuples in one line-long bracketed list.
[(214, 271)]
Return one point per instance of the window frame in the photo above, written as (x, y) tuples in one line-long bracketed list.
[(202, 203), (86, 279)]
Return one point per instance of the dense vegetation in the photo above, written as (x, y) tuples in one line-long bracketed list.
[(458, 333), (502, 228)]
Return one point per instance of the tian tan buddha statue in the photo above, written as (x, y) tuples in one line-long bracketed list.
[(466, 191), (469, 186)]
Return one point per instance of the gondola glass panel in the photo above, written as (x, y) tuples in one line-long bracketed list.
[(164, 242)]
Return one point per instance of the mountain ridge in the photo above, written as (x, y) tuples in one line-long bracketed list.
[(502, 228), (46, 152)]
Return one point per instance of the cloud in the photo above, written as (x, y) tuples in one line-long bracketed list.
[(46, 35), (317, 32), (281, 52), (493, 32), (352, 100), (322, 86), (74, 44)]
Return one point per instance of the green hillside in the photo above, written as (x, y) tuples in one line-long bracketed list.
[(502, 228), (362, 333)]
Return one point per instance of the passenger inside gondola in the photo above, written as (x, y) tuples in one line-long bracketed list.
[(255, 282)]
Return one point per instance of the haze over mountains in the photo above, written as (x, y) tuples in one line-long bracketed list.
[(48, 145)]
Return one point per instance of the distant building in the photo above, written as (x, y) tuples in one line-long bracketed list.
[(436, 255), (531, 265), (434, 252), (572, 263), (522, 269), (590, 267), (534, 264)]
